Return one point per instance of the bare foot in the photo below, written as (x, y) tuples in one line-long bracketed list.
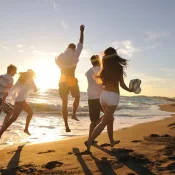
[(75, 118), (68, 129), (27, 132), (115, 142), (87, 146)]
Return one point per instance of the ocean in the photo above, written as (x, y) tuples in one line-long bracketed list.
[(47, 123)]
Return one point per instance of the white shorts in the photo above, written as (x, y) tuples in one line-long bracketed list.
[(108, 98)]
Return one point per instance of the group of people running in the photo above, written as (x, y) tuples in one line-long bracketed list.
[(104, 78)]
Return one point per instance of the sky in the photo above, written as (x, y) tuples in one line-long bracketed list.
[(33, 32)]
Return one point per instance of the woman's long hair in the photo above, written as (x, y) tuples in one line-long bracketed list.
[(112, 67), (24, 76)]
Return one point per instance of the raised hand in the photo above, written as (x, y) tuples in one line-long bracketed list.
[(82, 27)]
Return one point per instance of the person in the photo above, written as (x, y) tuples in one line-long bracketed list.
[(94, 91), (67, 62), (19, 93), (6, 82), (111, 75)]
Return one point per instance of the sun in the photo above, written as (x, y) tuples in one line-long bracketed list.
[(47, 74)]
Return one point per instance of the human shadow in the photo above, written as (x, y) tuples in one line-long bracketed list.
[(13, 164), (103, 166), (78, 154), (135, 162)]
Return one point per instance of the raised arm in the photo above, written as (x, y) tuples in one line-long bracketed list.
[(81, 34), (123, 85)]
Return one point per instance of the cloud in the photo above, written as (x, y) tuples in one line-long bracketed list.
[(39, 52), (21, 51), (152, 80), (3, 47), (64, 25), (86, 53), (19, 46), (125, 47), (155, 35), (54, 54), (153, 46), (54, 5), (167, 70)]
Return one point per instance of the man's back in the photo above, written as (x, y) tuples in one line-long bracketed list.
[(5, 82), (94, 89), (67, 62)]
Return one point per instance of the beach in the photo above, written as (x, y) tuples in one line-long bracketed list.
[(147, 148)]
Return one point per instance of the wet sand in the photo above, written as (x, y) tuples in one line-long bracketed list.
[(144, 149)]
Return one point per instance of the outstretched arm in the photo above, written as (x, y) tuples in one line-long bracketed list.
[(123, 85), (81, 34)]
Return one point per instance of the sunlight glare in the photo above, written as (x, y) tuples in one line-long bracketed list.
[(47, 74)]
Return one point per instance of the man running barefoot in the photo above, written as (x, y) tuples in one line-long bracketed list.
[(67, 62), (94, 91), (6, 82)]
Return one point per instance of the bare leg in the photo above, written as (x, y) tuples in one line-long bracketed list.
[(108, 116), (29, 111), (75, 107), (6, 119), (110, 133), (92, 127), (65, 112), (17, 110)]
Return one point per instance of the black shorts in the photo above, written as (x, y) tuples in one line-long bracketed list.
[(94, 109), (5, 107), (64, 90)]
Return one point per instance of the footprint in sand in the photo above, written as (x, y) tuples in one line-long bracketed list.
[(48, 151), (136, 141), (52, 164), (70, 153), (172, 125)]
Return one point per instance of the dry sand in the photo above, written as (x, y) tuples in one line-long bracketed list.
[(145, 149)]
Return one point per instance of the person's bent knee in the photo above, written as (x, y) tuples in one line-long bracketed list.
[(30, 113), (107, 119), (77, 98)]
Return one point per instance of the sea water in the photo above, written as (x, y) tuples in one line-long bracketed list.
[(47, 123)]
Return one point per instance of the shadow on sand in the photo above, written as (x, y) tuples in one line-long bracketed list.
[(134, 162), (104, 167), (13, 164)]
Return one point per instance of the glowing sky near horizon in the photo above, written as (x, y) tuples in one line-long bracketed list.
[(33, 32)]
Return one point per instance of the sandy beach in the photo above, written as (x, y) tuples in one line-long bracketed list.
[(147, 148)]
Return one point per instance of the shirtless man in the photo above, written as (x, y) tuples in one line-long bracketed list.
[(67, 62)]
